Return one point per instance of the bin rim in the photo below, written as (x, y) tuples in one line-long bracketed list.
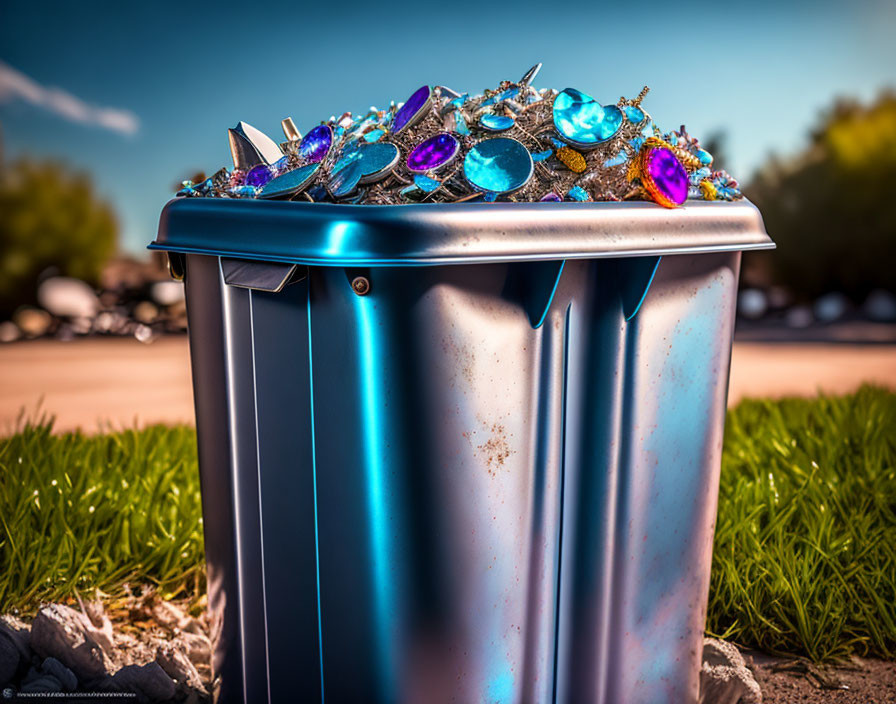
[(429, 234)]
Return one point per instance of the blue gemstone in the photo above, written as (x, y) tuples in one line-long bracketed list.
[(316, 144), (346, 180), (413, 109), (460, 124), (578, 193), (369, 162), (635, 115), (374, 135), (582, 121), (424, 183), (499, 165), (704, 156), (290, 183), (377, 160), (496, 123), (508, 94), (617, 160), (541, 156)]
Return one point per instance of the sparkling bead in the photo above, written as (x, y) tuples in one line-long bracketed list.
[(315, 145), (496, 123), (290, 183), (433, 153), (413, 109), (499, 165), (582, 121)]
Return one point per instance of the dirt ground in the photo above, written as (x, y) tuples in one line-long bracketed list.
[(789, 682), (95, 383)]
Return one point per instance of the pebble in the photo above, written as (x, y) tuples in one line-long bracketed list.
[(149, 682), (68, 298)]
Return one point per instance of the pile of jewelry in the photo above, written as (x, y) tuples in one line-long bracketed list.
[(514, 143)]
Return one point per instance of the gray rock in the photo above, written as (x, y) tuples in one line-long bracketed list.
[(67, 679), (880, 305), (178, 667), (68, 298), (196, 646), (830, 307), (33, 322), (9, 331), (167, 293), (149, 682), (725, 677), (752, 303), (67, 635)]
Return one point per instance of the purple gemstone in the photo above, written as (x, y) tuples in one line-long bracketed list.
[(550, 198), (668, 174), (407, 112), (433, 152), (259, 175), (315, 145)]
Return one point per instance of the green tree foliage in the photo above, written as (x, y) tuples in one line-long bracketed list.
[(50, 216), (830, 209)]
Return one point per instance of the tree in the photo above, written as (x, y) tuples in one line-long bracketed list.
[(50, 216), (830, 209)]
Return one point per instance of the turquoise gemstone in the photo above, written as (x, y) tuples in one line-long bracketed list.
[(290, 183), (460, 124), (704, 156), (374, 135), (578, 193), (582, 121), (541, 156), (617, 160), (496, 123), (377, 160), (424, 183), (498, 165), (346, 180), (508, 94), (635, 115)]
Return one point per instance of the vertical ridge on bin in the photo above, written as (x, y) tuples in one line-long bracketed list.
[(320, 633), (562, 483), (264, 594)]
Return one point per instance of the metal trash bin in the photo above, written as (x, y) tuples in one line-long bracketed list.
[(459, 453)]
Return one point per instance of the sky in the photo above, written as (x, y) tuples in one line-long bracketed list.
[(140, 95)]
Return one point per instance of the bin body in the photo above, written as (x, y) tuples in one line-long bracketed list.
[(491, 481)]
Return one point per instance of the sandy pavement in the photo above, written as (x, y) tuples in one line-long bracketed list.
[(95, 383)]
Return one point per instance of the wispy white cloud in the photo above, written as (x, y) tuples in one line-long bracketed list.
[(15, 85)]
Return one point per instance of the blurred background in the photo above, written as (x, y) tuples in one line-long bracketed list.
[(106, 107)]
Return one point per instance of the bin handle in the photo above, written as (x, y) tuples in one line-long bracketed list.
[(260, 276)]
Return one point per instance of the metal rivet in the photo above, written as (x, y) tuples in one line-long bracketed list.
[(361, 285)]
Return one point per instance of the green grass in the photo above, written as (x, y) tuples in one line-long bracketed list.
[(805, 550), (79, 512)]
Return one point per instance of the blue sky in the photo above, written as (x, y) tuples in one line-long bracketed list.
[(158, 84)]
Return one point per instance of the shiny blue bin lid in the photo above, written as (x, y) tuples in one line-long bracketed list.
[(327, 234)]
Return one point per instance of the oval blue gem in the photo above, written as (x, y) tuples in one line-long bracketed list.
[(290, 183), (498, 165), (496, 123), (316, 144), (582, 121), (412, 110)]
